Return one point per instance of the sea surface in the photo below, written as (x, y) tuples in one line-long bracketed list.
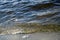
[(32, 11), (28, 11)]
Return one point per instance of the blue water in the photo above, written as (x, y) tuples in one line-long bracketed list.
[(21, 11)]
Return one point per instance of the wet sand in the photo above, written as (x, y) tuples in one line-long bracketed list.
[(34, 36)]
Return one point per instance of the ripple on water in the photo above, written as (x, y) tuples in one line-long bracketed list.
[(32, 11)]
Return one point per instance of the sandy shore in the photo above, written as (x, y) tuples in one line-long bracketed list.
[(34, 36)]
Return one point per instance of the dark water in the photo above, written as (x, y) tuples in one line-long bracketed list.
[(25, 11)]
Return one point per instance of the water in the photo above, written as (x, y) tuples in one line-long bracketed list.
[(35, 36), (22, 12), (27, 11)]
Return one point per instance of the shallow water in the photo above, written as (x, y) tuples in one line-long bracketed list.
[(28, 11), (34, 36), (32, 11)]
